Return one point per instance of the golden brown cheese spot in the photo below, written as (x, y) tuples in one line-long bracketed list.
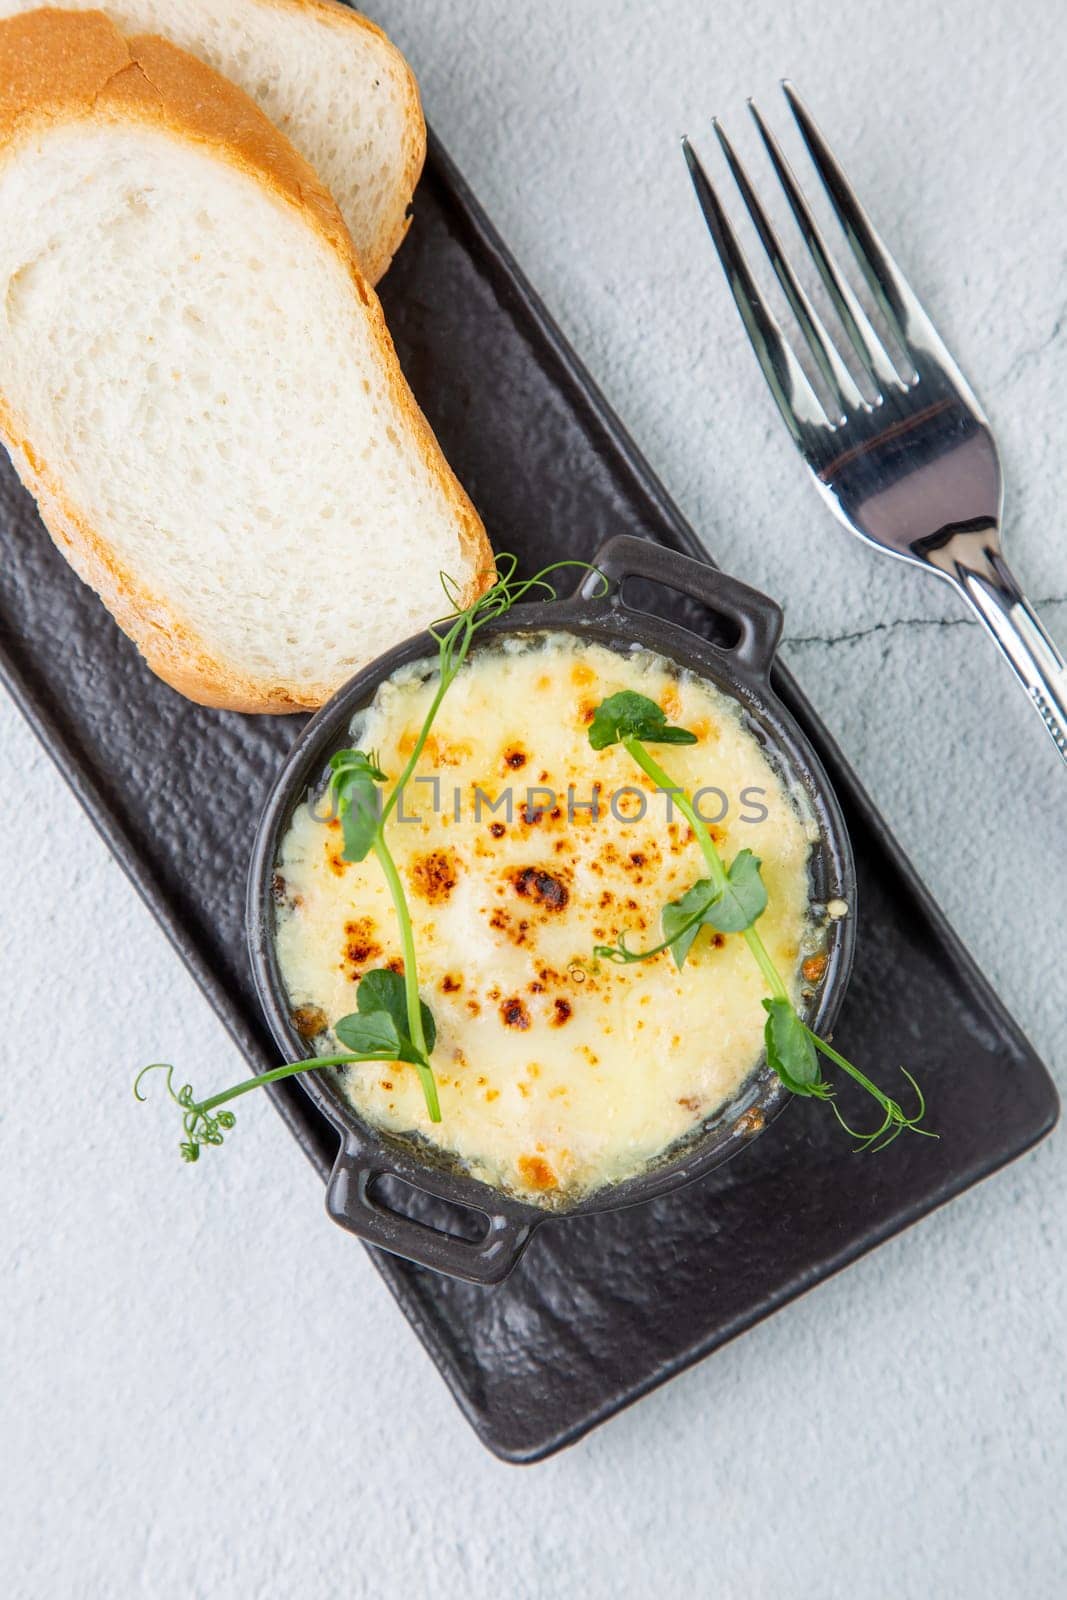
[(497, 829), (514, 928), (434, 875), (533, 813), (337, 863), (588, 811), (689, 1101), (545, 889), (582, 674), (361, 945), (513, 1013), (445, 752), (536, 1172), (670, 701), (561, 1011), (628, 805), (681, 837), (514, 757), (813, 968), (309, 1021), (282, 895), (451, 984)]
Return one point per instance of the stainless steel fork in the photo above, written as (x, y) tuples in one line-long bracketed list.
[(913, 468)]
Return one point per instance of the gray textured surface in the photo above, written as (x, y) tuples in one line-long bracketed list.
[(210, 1392)]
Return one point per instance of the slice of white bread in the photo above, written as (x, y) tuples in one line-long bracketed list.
[(196, 381), (328, 78)]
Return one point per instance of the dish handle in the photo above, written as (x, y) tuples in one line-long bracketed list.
[(352, 1202), (757, 617)]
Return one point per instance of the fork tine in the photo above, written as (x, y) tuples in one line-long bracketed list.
[(861, 332), (887, 283), (819, 342), (795, 398)]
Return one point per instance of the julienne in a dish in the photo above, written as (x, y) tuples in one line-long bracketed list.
[(558, 1070), (547, 912)]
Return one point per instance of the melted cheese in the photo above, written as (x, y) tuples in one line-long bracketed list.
[(556, 1076)]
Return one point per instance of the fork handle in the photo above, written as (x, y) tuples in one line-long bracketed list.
[(1020, 633)]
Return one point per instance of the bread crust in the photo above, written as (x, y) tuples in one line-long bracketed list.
[(57, 67)]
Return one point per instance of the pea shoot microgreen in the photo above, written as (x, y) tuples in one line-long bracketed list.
[(628, 715), (391, 1022), (731, 900)]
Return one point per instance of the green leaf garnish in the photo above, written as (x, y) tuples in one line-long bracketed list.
[(628, 715), (353, 788), (789, 1048), (382, 991), (682, 919), (732, 901), (371, 1032), (391, 1022), (743, 898), (730, 907), (345, 762)]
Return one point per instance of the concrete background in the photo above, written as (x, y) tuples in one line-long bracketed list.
[(210, 1393)]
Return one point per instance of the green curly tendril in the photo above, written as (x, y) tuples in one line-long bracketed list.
[(201, 1127)]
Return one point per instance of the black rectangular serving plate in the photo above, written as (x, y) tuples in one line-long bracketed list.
[(601, 1309)]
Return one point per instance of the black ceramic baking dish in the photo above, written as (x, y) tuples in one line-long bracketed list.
[(502, 1224)]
